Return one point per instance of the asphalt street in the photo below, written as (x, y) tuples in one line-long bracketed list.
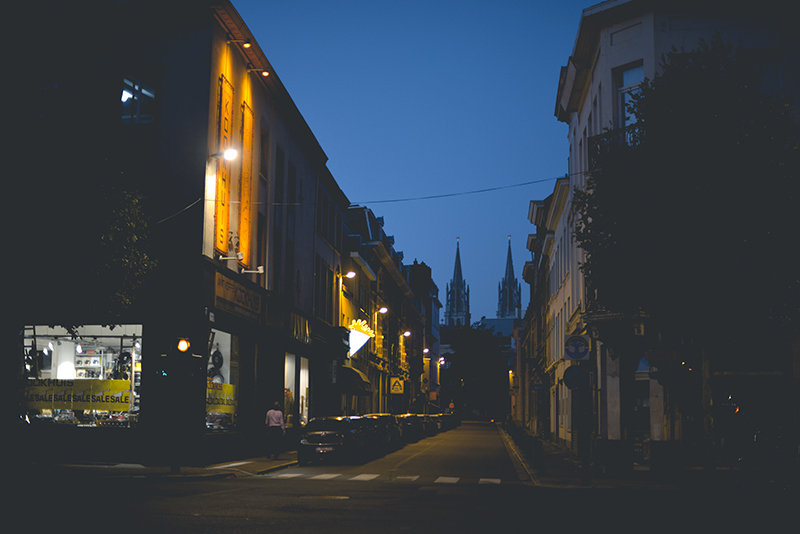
[(463, 480)]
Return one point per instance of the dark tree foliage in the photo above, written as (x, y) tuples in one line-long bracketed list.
[(74, 212), (691, 218), (477, 377)]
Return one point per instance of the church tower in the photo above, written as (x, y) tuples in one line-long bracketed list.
[(457, 311), (508, 301)]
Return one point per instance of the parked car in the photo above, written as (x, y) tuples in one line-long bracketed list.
[(429, 426), (436, 421), (411, 427), (344, 438), (449, 421), (388, 430)]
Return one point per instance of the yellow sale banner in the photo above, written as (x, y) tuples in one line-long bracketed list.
[(79, 394), (221, 398)]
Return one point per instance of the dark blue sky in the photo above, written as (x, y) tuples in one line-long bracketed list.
[(423, 98)]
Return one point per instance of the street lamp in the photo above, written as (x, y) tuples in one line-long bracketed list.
[(227, 154)]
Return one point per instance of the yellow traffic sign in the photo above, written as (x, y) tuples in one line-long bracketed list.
[(396, 385)]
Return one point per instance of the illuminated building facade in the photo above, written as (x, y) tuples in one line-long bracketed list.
[(251, 254)]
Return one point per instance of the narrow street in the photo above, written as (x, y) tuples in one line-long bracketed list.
[(462, 480)]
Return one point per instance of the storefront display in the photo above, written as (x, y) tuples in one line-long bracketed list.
[(222, 380), (295, 399), (87, 377)]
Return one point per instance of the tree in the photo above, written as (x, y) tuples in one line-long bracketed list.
[(690, 216), (74, 200), (477, 378)]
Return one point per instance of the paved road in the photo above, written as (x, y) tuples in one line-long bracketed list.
[(463, 480)]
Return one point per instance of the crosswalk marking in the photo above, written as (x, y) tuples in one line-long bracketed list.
[(226, 466), (364, 477)]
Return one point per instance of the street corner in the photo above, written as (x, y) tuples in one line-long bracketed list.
[(252, 466)]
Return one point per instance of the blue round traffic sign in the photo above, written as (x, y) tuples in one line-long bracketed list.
[(574, 377)]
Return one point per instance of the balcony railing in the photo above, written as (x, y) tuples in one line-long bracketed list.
[(601, 145)]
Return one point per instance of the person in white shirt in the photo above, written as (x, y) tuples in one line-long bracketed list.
[(276, 428)]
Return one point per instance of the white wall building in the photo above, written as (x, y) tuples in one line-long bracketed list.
[(619, 43)]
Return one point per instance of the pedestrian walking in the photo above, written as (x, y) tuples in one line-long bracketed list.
[(276, 428)]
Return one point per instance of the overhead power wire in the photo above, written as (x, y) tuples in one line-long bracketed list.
[(461, 193), (428, 197), (178, 213)]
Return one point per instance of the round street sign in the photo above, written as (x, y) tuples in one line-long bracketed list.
[(574, 377), (576, 348)]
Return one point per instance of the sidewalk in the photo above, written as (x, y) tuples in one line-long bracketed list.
[(560, 468), (233, 469)]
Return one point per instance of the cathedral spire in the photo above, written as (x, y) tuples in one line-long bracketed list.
[(457, 311), (457, 270), (508, 301), (509, 262)]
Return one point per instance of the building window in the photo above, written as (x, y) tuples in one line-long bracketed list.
[(629, 80), (138, 102), (277, 229), (222, 381), (329, 220), (323, 290), (86, 377)]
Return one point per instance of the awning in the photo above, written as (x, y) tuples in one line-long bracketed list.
[(354, 382)]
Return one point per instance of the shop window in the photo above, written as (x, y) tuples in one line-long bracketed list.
[(138, 102), (289, 389), (222, 381), (304, 389), (295, 390), (87, 377)]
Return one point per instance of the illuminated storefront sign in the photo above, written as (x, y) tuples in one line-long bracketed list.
[(236, 299), (225, 133), (246, 186), (360, 333)]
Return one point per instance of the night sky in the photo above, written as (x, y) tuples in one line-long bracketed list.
[(432, 99)]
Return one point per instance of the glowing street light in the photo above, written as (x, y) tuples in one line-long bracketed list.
[(227, 154)]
